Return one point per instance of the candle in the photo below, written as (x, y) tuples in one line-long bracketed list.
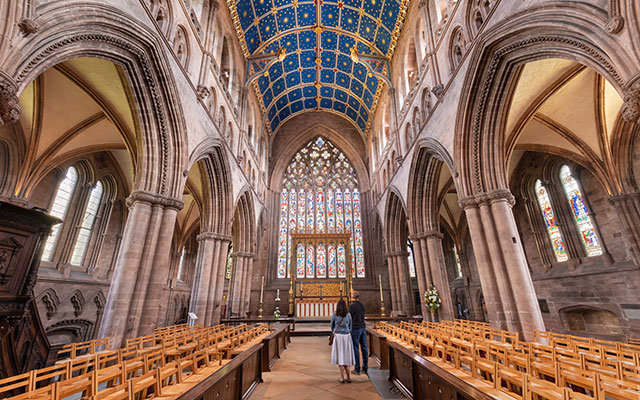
[(278, 294), (380, 278), (261, 288)]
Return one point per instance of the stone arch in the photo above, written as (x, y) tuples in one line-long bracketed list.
[(217, 208), (396, 235), (70, 331), (428, 161), (590, 320), (77, 301), (100, 300), (181, 46), (479, 151), (63, 36), (457, 47), (426, 103), (477, 13), (51, 301), (161, 13)]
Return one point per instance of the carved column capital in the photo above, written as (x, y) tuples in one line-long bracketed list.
[(483, 198), (427, 235), (213, 236), (243, 254), (631, 106), (620, 198), (9, 107), (154, 199)]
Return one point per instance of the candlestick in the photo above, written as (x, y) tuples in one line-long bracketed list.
[(261, 289), (277, 294), (380, 278)]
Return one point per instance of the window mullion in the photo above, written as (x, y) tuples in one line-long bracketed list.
[(101, 224)]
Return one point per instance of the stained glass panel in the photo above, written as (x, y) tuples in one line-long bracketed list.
[(551, 223), (320, 204), (301, 260), (301, 209), (310, 213), (310, 262), (332, 261), (331, 218), (321, 262), (227, 273), (59, 210), (339, 212), (282, 236), (342, 262), (588, 235), (357, 233)]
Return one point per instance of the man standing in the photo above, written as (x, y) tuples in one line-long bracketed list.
[(359, 334)]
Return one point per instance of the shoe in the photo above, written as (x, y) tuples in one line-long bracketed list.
[(355, 372), (348, 380), (366, 372), (341, 380)]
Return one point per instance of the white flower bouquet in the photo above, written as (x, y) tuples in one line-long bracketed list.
[(432, 299)]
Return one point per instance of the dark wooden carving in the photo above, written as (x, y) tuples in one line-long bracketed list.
[(23, 342)]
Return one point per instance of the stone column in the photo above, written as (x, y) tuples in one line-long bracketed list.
[(248, 283), (406, 294), (235, 289), (393, 288), (420, 271), (145, 249), (628, 208), (502, 266), (201, 282), (219, 269), (439, 276)]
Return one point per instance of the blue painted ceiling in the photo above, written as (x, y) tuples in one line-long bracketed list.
[(315, 71)]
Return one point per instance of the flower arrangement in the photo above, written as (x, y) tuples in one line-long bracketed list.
[(432, 299), (276, 313)]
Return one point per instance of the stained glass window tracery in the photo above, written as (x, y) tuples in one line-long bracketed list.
[(320, 195), (551, 222), (86, 227), (411, 259), (580, 213)]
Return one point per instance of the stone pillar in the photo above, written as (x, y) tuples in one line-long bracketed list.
[(201, 282), (219, 269), (420, 271), (438, 269), (628, 208), (247, 283), (393, 288), (502, 266), (402, 269), (144, 252), (235, 289)]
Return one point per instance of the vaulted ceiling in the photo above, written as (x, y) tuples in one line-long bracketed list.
[(327, 55)]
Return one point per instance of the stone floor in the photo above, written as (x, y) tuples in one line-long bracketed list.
[(304, 372)]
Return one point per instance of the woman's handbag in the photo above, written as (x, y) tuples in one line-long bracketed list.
[(332, 333)]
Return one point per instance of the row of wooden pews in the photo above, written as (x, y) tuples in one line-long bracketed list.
[(500, 365), (164, 365)]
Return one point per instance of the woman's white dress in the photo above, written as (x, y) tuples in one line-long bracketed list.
[(342, 350)]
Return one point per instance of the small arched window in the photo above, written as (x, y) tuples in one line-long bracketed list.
[(551, 223), (411, 259), (580, 213), (86, 227), (59, 210), (181, 264)]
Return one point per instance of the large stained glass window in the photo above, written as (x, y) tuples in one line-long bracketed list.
[(227, 273), (551, 222), (458, 264), (580, 212), (320, 195), (59, 210)]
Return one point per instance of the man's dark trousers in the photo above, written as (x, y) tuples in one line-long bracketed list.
[(359, 337)]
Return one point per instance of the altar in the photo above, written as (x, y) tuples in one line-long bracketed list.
[(317, 297)]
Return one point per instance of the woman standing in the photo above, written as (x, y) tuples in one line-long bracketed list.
[(342, 349)]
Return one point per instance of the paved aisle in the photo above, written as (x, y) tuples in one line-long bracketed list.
[(304, 372)]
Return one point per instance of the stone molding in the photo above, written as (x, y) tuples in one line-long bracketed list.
[(213, 236), (242, 254), (427, 235), (621, 198), (484, 198), (9, 103), (400, 253), (631, 107), (153, 199)]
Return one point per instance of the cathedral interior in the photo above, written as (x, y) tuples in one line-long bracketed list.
[(199, 162)]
